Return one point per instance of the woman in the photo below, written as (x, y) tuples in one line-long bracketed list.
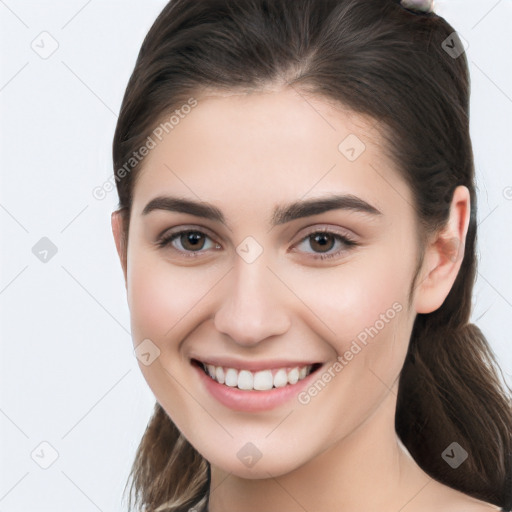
[(296, 228)]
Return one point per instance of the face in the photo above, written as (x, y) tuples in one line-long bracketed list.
[(259, 293)]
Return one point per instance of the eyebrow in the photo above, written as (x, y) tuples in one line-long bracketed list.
[(282, 214)]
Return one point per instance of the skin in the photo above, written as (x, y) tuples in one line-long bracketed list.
[(245, 154)]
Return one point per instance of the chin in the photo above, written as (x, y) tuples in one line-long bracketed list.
[(267, 463)]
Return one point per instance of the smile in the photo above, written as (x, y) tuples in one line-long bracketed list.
[(257, 389), (262, 380)]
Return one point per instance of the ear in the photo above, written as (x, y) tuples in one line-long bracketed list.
[(118, 223), (444, 255)]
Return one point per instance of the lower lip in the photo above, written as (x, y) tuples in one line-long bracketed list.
[(252, 401)]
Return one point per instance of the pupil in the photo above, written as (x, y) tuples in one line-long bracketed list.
[(193, 239), (322, 236)]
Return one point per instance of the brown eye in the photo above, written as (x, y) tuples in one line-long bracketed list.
[(322, 241), (192, 240), (187, 242)]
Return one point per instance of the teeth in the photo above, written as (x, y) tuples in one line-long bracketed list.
[(293, 376), (245, 379), (280, 378), (219, 374), (231, 378), (263, 380)]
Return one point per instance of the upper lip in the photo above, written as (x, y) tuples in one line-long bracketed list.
[(271, 364)]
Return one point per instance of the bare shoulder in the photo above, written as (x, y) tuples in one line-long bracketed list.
[(474, 506), (437, 497), (447, 499)]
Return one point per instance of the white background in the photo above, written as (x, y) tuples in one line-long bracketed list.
[(68, 375)]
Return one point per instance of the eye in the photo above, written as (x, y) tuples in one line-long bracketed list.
[(192, 241), (325, 240)]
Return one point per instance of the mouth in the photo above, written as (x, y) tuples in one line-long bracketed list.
[(261, 380)]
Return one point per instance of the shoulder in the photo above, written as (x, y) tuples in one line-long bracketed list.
[(447, 499), (476, 506)]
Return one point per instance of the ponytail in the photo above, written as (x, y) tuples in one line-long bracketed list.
[(449, 392), (168, 474)]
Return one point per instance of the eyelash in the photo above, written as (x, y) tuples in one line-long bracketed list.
[(349, 243)]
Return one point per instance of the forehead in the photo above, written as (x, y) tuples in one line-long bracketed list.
[(269, 147)]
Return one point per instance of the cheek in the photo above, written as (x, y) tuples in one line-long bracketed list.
[(349, 298), (165, 300), (363, 304), (366, 313), (165, 304), (153, 301)]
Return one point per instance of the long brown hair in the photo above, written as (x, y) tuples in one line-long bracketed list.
[(400, 67)]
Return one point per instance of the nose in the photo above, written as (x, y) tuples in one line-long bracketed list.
[(253, 305)]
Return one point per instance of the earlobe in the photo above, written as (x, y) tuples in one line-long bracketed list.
[(444, 255), (117, 221)]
